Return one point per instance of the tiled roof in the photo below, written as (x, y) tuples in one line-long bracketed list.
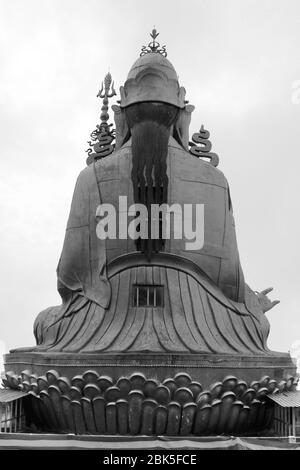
[(287, 399), (7, 395)]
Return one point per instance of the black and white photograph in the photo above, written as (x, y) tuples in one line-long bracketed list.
[(150, 204)]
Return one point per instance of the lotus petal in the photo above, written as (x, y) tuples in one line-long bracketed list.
[(231, 425), (99, 414), (171, 385), (26, 386), (214, 416), (124, 385), (162, 395), (75, 394), (135, 401), (195, 388), (88, 415), (228, 398), (182, 379), (253, 412), (111, 418), (55, 396), (35, 387), (183, 395), (148, 416), (104, 382), (78, 417), (47, 403), (282, 386), (91, 391), (5, 383), (67, 411), (52, 376), (90, 376), (242, 422), (188, 414), (240, 388), (229, 383), (12, 380), (137, 381), (112, 394), (150, 387), (64, 385), (262, 393), (42, 383), (216, 390), (122, 416), (78, 381), (25, 375), (290, 383), (204, 398), (255, 385), (272, 385), (161, 420), (248, 396), (202, 419), (264, 381), (174, 416), (33, 378), (295, 385)]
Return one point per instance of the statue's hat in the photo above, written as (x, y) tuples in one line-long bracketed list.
[(152, 78)]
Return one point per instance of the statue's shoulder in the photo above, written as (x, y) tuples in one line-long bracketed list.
[(190, 168), (112, 162), (107, 167)]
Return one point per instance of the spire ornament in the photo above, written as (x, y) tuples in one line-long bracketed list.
[(102, 137), (204, 149), (154, 46)]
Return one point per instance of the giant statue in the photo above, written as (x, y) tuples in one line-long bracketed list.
[(154, 335)]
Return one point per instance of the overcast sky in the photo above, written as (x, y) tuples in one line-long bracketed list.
[(239, 62)]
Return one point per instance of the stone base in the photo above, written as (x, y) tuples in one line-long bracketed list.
[(204, 368), (149, 394)]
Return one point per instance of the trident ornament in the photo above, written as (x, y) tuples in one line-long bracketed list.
[(102, 137), (107, 83)]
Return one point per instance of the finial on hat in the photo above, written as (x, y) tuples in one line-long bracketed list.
[(154, 46)]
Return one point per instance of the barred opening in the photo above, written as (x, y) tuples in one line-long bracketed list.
[(147, 296)]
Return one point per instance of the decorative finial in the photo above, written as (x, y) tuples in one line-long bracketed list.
[(102, 136), (204, 149), (154, 46)]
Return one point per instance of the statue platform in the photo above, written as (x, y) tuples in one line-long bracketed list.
[(204, 368), (149, 394)]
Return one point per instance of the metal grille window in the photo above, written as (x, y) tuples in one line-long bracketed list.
[(11, 410), (147, 296)]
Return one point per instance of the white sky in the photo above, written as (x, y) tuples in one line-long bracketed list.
[(238, 61)]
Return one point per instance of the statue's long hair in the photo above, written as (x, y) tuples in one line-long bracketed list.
[(150, 126)]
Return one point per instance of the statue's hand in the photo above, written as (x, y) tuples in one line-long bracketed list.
[(264, 300)]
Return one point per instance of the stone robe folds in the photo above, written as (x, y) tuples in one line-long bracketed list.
[(96, 313)]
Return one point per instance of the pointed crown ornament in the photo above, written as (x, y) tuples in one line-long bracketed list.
[(154, 46), (152, 78)]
